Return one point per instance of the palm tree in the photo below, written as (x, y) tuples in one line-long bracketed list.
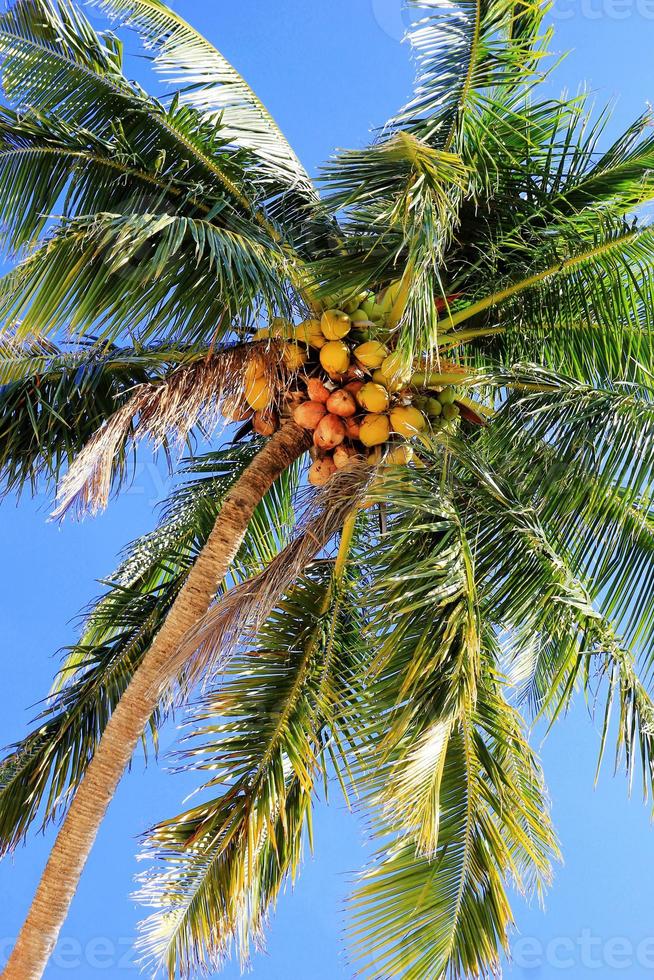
[(472, 294)]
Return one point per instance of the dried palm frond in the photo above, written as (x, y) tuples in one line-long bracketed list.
[(196, 394), (241, 612)]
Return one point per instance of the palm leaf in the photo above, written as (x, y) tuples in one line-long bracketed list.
[(209, 83)]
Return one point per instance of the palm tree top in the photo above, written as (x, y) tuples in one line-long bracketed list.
[(460, 314)]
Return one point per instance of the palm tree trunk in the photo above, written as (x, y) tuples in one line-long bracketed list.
[(78, 832)]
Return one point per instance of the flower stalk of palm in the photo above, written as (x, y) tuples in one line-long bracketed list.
[(480, 262)]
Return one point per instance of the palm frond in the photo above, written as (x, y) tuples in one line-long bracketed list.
[(464, 50), (145, 276), (210, 644), (209, 83), (446, 912), (167, 411), (54, 62), (264, 738), (53, 399)]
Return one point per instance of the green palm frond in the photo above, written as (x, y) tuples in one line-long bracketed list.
[(209, 83), (464, 51), (586, 483), (265, 736), (49, 168), (52, 400), (401, 199), (53, 62), (447, 913), (145, 276)]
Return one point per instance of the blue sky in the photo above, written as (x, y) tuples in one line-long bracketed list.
[(328, 71)]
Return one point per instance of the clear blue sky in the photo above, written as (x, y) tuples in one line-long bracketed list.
[(328, 71)]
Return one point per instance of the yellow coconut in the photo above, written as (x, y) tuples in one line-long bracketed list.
[(279, 327), (374, 430), (397, 369), (373, 397), (309, 333), (387, 299), (407, 421), (380, 378), (294, 357), (372, 354), (373, 459), (400, 455), (258, 395), (335, 324), (255, 368), (335, 357)]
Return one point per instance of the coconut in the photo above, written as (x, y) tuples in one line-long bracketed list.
[(372, 354), (397, 369), (329, 433), (266, 423), (309, 414), (335, 324), (359, 316), (321, 471), (368, 305), (407, 420), (344, 456), (450, 412), (355, 373), (317, 391), (255, 368), (374, 430), (235, 410), (434, 407), (354, 387), (309, 333), (342, 403), (352, 428), (294, 357), (257, 394), (373, 397), (399, 455), (279, 327), (380, 378), (335, 357), (387, 299), (447, 396), (262, 334)]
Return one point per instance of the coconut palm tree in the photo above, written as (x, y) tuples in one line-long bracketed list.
[(459, 332)]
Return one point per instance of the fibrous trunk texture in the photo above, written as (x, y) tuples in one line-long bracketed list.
[(78, 832)]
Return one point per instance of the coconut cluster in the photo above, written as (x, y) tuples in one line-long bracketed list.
[(359, 398)]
